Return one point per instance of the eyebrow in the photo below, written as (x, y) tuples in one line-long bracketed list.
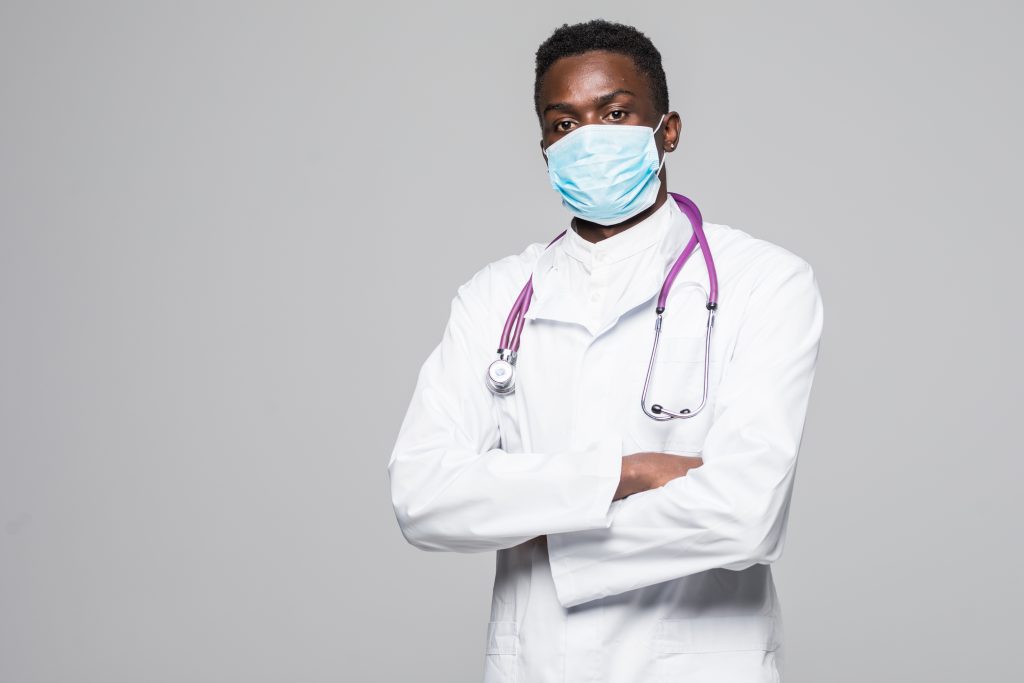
[(602, 99)]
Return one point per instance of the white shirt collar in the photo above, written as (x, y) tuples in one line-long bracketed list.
[(635, 239), (662, 236)]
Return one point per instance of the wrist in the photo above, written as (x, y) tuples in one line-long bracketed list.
[(634, 475)]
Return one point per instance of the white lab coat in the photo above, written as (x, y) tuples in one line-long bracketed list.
[(671, 584)]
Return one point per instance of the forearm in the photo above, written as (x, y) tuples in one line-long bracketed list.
[(650, 470), (451, 499), (689, 525)]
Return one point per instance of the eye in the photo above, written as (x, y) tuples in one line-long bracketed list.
[(563, 125), (617, 114)]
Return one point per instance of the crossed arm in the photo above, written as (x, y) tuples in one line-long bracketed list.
[(615, 523)]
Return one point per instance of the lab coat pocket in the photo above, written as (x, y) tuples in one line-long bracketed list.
[(677, 382), (715, 649), (501, 660), (689, 349)]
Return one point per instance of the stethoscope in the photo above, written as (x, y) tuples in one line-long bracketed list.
[(501, 374)]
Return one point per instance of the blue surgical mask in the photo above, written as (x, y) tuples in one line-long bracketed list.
[(606, 173)]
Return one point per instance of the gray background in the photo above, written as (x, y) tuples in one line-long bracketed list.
[(230, 234)]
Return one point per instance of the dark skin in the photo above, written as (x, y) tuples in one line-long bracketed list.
[(606, 89)]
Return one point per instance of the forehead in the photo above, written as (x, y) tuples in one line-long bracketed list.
[(579, 78)]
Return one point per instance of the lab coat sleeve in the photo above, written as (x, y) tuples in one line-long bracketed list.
[(453, 488), (731, 511)]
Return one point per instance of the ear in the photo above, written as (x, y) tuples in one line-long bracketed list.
[(542, 152), (673, 131)]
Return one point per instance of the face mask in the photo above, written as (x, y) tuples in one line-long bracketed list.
[(606, 173)]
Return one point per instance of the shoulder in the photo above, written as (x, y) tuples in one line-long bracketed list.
[(493, 283), (482, 303), (761, 279), (755, 262)]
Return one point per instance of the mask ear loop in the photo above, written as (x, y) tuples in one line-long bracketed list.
[(663, 155), (660, 121)]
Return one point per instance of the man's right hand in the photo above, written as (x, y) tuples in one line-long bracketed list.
[(650, 470)]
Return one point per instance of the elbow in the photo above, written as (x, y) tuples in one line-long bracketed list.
[(756, 537), (417, 539), (746, 552), (766, 549), (760, 541), (425, 527), (761, 532), (435, 531), (420, 533), (417, 525), (412, 509), (437, 520)]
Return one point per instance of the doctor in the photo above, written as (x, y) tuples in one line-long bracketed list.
[(629, 549)]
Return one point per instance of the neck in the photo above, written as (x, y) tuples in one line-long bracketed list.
[(595, 232)]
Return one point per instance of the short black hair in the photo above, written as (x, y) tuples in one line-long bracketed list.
[(599, 34)]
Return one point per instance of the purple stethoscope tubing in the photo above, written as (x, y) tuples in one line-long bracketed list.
[(697, 221), (501, 372), (657, 411)]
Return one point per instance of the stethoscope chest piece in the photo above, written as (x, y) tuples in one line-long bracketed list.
[(501, 374)]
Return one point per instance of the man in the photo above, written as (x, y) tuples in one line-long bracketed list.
[(629, 549)]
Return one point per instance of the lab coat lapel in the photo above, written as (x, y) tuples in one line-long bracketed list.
[(548, 303)]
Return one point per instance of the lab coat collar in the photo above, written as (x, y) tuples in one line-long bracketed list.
[(659, 239)]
